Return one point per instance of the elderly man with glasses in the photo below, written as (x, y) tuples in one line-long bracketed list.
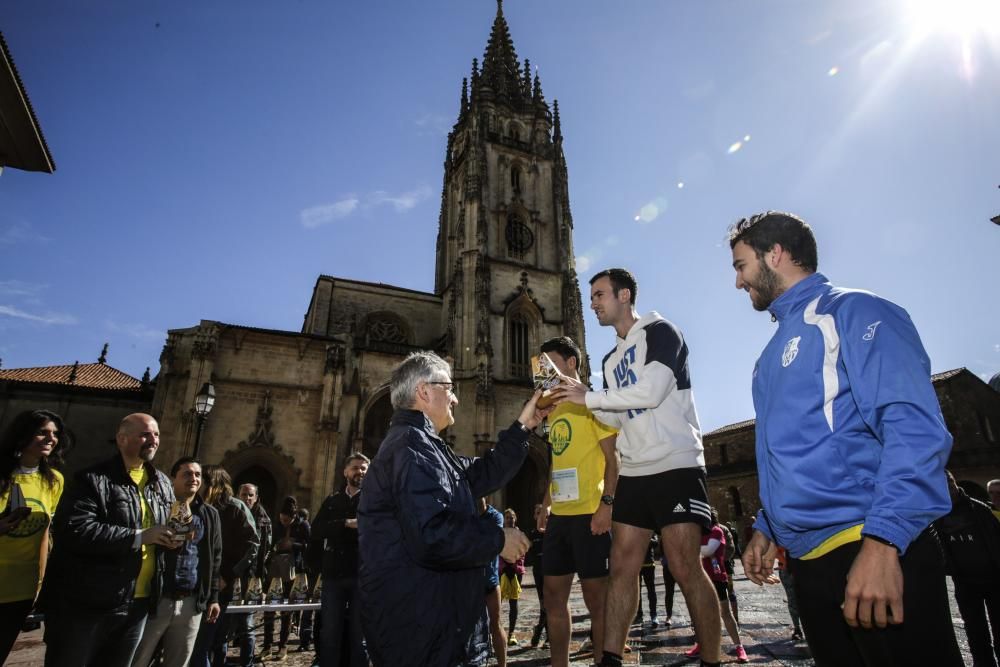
[(423, 542)]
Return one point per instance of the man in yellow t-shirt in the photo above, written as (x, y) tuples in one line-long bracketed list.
[(580, 494), (105, 570)]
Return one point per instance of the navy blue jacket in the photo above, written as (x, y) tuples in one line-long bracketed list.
[(423, 545)]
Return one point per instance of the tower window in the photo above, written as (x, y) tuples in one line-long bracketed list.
[(735, 504), (519, 345), (515, 180)]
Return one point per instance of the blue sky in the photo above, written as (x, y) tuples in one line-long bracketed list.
[(214, 158)]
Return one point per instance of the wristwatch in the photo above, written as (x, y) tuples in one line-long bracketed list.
[(608, 500)]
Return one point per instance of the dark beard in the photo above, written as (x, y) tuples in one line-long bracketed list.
[(768, 287)]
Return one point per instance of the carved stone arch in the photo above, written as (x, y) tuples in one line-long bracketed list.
[(527, 487), (516, 131), (384, 326), (521, 322), (375, 415), (281, 467)]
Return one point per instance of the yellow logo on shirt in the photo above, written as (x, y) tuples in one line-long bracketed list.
[(560, 435)]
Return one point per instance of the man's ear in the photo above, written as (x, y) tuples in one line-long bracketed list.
[(572, 363)]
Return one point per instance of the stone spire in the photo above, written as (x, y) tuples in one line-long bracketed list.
[(103, 359), (501, 72), (556, 125)]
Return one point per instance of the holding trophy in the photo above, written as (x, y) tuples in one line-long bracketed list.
[(546, 377)]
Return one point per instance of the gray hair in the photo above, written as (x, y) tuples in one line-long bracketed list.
[(416, 368)]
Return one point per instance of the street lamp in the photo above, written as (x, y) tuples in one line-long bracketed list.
[(203, 404)]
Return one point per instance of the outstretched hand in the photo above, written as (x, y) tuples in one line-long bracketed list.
[(531, 415), (570, 390)]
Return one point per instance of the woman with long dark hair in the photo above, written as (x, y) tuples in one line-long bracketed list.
[(31, 449)]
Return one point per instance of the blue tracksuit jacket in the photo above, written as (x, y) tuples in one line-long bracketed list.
[(849, 429)]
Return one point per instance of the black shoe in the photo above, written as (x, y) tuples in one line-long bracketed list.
[(536, 636)]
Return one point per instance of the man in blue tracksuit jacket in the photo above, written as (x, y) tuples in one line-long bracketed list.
[(851, 449)]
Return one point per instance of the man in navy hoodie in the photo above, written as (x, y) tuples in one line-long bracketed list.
[(851, 449), (647, 395)]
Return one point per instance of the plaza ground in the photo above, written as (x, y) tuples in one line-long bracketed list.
[(765, 626)]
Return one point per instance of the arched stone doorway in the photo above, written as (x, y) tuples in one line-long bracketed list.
[(527, 488), (376, 424), (275, 472), (267, 487)]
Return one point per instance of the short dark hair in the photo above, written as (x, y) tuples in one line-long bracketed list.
[(182, 461), (620, 278), (565, 346), (763, 230), (356, 456)]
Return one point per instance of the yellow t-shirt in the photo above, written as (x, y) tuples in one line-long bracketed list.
[(148, 569), (577, 459), (20, 548)]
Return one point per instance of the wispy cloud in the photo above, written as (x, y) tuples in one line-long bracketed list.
[(401, 202), (135, 330), (47, 318), (20, 232), (432, 123), (324, 214), (20, 288)]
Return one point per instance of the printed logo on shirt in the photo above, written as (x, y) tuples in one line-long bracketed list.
[(35, 522), (625, 376), (560, 435), (679, 508), (871, 330), (791, 351)]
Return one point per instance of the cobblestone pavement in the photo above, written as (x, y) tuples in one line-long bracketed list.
[(765, 625)]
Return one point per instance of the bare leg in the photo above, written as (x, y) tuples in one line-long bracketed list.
[(557, 611), (595, 593), (732, 627), (681, 543), (628, 550), (497, 634)]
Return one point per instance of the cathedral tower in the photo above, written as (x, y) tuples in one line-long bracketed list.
[(505, 256)]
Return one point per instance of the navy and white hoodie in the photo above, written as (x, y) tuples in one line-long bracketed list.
[(647, 396)]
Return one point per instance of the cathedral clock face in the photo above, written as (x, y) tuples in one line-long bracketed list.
[(519, 237)]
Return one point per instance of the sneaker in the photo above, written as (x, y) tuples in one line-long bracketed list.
[(797, 635), (654, 622), (694, 651), (536, 635), (741, 654), (666, 624), (638, 619), (512, 640), (282, 653), (628, 649)]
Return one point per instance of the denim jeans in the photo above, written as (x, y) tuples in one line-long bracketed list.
[(79, 639), (341, 620)]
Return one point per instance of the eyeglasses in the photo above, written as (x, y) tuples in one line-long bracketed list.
[(448, 386)]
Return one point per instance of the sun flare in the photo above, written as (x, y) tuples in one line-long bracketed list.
[(958, 17)]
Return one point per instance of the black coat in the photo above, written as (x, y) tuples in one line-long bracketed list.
[(240, 540), (332, 538), (423, 545), (970, 537), (95, 562)]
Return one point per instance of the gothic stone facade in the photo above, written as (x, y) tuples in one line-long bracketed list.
[(291, 405), (971, 410)]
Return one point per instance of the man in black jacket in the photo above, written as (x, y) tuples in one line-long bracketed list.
[(422, 542), (336, 527), (105, 570), (243, 624), (191, 575), (970, 535)]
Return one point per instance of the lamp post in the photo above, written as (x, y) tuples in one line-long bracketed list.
[(203, 404)]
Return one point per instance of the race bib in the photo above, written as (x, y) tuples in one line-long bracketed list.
[(565, 485)]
